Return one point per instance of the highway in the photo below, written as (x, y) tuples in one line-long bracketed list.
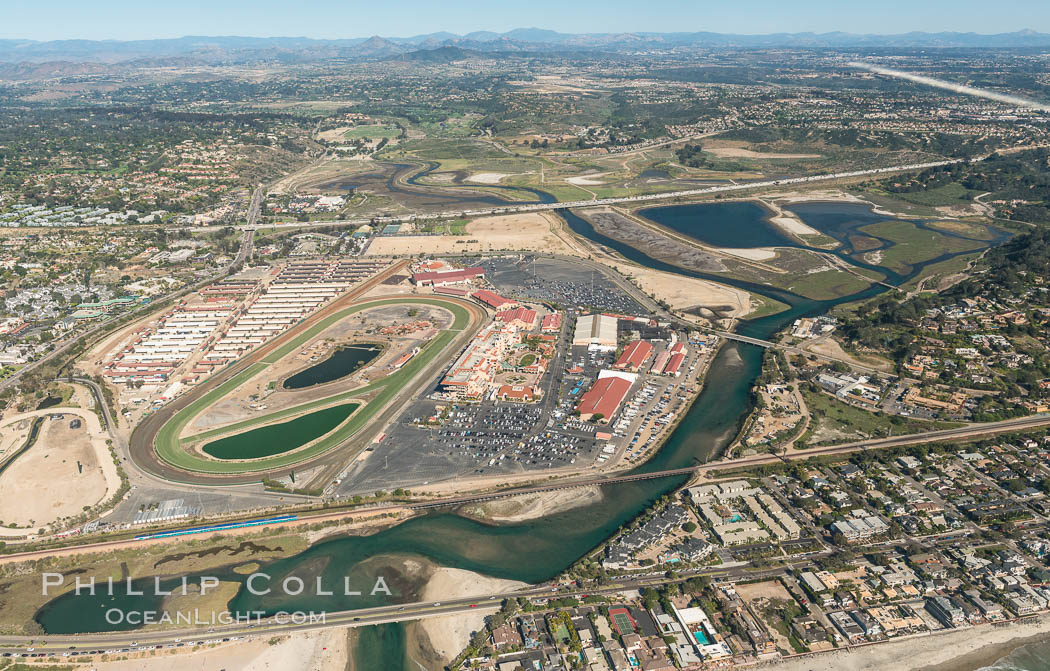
[(259, 626), (644, 198)]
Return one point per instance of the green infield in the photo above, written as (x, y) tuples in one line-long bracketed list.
[(281, 437), (173, 451)]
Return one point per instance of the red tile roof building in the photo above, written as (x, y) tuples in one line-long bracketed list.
[(661, 361), (520, 317), (515, 393), (674, 364), (444, 277), (634, 355), (404, 358), (603, 398), (474, 372), (551, 322), (493, 299)]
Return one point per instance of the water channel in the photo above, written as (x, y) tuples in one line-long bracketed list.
[(538, 549)]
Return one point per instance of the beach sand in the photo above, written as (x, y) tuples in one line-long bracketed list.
[(449, 634), (324, 650), (953, 650), (487, 177), (531, 506)]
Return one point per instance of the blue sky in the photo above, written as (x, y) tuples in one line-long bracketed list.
[(145, 19)]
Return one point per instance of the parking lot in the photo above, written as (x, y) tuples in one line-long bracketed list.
[(559, 282), (437, 438)]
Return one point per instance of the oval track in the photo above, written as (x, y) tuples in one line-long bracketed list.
[(143, 450)]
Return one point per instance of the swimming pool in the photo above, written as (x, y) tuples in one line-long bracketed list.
[(701, 638)]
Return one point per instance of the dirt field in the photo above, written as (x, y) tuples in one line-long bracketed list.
[(530, 232), (831, 347), (738, 150), (752, 253), (683, 293), (65, 470), (593, 179), (13, 436), (487, 177), (770, 589)]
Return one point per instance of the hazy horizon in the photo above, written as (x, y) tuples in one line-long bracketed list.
[(125, 20)]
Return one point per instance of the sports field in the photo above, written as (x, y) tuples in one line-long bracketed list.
[(172, 450)]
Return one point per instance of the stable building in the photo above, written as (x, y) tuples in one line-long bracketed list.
[(441, 278), (634, 355), (493, 300)]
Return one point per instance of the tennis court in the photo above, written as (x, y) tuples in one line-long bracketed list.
[(622, 621)]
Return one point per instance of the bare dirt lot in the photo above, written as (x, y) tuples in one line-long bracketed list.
[(727, 149), (65, 470), (831, 347), (530, 232), (687, 293), (770, 589)]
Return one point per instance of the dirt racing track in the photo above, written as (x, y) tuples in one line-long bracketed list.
[(156, 446)]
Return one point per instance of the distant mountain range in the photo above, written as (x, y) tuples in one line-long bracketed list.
[(231, 49)]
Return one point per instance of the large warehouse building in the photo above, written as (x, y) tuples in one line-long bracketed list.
[(596, 332), (603, 398)]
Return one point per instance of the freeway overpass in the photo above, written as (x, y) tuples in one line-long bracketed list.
[(643, 198)]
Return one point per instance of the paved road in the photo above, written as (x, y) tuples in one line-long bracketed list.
[(511, 208), (971, 431), (101, 329), (130, 641), (142, 440)]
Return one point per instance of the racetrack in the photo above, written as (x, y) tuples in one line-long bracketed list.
[(155, 445), (173, 450)]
